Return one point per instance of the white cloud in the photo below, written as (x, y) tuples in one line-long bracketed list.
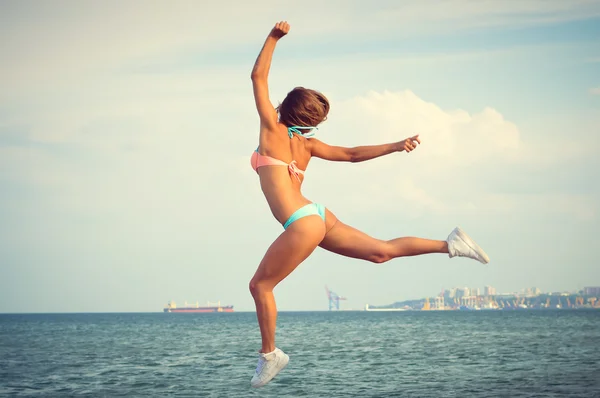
[(450, 139), (462, 15), (55, 44), (448, 136), (595, 91), (452, 172)]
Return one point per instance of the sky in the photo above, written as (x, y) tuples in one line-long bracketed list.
[(126, 130)]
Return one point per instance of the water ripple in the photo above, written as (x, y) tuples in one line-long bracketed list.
[(343, 354)]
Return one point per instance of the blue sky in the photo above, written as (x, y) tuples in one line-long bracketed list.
[(126, 131)]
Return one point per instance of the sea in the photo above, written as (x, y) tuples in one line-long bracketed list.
[(523, 353)]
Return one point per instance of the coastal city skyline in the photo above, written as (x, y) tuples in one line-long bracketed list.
[(472, 298), (453, 298)]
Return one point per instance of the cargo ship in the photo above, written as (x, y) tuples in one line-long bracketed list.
[(194, 308)]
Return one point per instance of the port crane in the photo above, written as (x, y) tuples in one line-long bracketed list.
[(334, 299)]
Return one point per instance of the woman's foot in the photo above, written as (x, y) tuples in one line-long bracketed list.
[(461, 245), (269, 365)]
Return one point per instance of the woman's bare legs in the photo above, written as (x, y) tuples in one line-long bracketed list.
[(350, 242), (290, 249)]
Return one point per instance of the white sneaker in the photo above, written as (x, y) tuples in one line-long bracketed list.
[(460, 244), (268, 366)]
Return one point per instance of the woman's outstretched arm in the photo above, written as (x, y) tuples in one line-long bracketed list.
[(260, 74), (360, 153)]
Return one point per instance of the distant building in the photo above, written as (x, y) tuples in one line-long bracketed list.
[(438, 303), (489, 291), (532, 292), (449, 294), (592, 291), (475, 291), (462, 292)]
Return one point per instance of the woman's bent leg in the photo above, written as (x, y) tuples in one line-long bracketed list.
[(291, 248)]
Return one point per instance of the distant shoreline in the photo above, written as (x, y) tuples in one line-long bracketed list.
[(486, 310)]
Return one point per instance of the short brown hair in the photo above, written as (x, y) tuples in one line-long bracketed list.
[(303, 107)]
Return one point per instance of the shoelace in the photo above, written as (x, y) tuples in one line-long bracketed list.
[(261, 364)]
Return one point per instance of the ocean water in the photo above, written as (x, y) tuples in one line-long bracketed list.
[(550, 353)]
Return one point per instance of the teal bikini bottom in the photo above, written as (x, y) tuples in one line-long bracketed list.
[(308, 210)]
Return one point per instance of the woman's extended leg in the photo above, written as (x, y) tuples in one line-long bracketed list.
[(350, 242)]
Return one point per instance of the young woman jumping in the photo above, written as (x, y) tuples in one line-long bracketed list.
[(284, 150)]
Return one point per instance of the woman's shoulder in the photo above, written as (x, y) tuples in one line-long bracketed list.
[(274, 130)]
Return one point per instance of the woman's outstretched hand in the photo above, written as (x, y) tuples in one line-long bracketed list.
[(281, 29), (409, 144)]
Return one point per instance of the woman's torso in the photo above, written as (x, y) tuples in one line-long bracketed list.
[(281, 188)]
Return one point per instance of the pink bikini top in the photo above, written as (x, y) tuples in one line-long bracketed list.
[(257, 160)]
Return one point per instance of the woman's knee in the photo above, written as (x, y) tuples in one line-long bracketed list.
[(382, 253), (258, 288)]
